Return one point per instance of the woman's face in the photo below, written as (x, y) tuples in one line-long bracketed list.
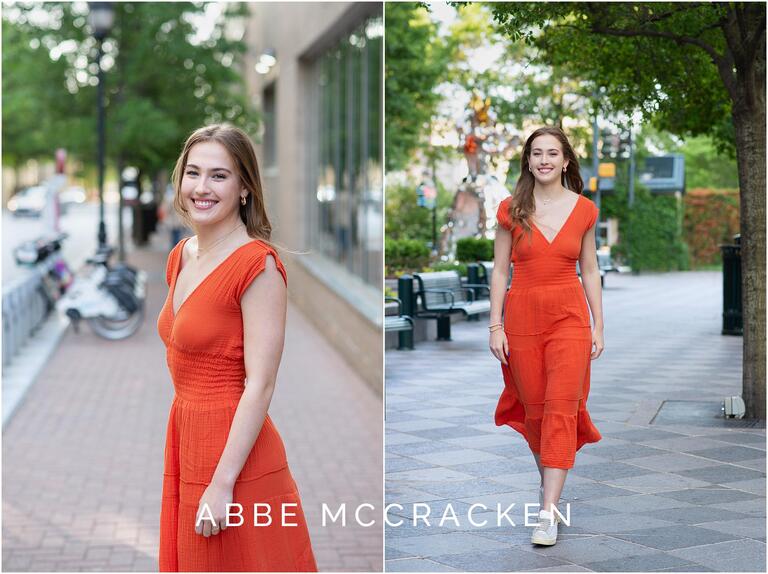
[(210, 186), (547, 160)]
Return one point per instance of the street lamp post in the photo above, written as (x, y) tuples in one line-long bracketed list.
[(100, 19)]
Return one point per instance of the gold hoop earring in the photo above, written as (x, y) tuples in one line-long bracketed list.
[(242, 200)]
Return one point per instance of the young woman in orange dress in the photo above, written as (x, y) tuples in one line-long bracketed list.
[(229, 501), (545, 341)]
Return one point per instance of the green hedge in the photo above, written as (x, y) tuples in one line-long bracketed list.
[(471, 249), (406, 254), (651, 233), (445, 266)]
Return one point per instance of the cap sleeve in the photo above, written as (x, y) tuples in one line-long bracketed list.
[(593, 214), (253, 264), (502, 214)]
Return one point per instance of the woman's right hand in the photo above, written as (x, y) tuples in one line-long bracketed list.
[(211, 517), (499, 345)]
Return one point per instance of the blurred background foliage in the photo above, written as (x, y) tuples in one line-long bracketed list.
[(562, 75), (162, 80)]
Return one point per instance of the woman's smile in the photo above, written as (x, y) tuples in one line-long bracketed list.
[(203, 204)]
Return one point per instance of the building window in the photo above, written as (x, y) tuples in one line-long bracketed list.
[(347, 184), (270, 135)]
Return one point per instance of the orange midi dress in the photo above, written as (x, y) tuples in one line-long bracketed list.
[(546, 321), (204, 342)]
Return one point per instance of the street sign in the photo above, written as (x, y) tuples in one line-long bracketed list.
[(606, 170), (663, 174), (426, 196)]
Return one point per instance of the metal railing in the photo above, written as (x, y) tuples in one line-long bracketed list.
[(25, 309)]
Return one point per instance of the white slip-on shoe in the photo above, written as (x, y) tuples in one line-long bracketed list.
[(545, 532)]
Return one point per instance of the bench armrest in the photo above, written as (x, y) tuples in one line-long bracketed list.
[(477, 286), (395, 300), (470, 293)]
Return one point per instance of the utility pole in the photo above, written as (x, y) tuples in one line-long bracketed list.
[(595, 158), (102, 235), (435, 249), (631, 194)]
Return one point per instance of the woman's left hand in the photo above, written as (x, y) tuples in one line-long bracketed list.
[(216, 497), (597, 343)]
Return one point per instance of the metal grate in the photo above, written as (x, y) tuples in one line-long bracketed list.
[(700, 413)]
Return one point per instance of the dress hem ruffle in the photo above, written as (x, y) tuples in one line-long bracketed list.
[(513, 415)]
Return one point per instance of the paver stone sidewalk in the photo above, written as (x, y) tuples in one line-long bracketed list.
[(661, 491), (83, 455)]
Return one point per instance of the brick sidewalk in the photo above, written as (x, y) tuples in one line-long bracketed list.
[(82, 457), (681, 493)]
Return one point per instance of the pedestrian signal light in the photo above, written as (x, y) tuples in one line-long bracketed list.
[(592, 184)]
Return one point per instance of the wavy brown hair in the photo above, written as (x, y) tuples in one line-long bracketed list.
[(253, 214), (522, 206)]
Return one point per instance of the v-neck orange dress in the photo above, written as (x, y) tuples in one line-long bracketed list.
[(204, 342), (546, 321)]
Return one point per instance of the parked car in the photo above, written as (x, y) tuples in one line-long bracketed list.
[(30, 201), (70, 196)]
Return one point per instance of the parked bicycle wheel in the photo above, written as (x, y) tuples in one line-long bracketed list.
[(117, 327)]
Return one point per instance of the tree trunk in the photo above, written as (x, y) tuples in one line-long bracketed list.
[(750, 149)]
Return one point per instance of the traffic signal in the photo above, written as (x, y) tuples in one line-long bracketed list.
[(615, 145), (610, 145), (625, 146)]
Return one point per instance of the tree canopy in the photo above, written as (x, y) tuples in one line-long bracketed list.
[(653, 57), (161, 81), (415, 63)]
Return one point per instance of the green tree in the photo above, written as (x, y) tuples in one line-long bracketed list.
[(32, 85), (705, 167), (694, 69), (161, 82), (406, 220), (415, 63), (153, 115), (520, 89)]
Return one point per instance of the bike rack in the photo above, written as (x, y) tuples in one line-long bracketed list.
[(24, 311)]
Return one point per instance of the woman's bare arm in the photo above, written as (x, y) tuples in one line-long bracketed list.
[(263, 306), (590, 279), (502, 247)]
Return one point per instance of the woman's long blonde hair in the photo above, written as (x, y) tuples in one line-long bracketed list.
[(253, 214), (522, 206)]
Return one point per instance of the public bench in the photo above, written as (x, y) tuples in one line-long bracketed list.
[(441, 294), (484, 271), (399, 322)]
